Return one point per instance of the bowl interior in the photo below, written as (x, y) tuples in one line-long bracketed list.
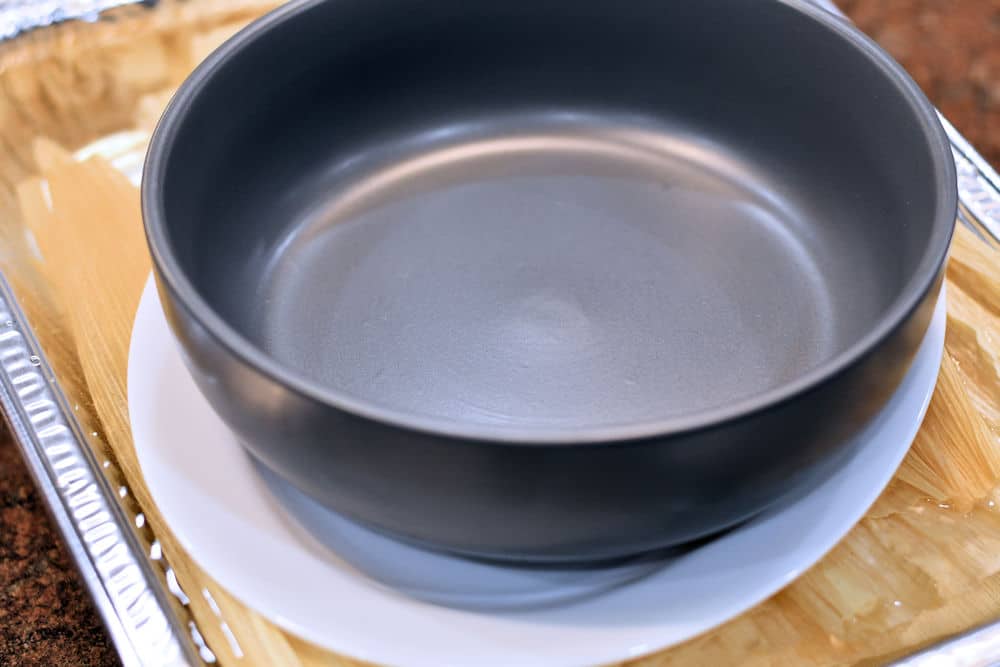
[(555, 214)]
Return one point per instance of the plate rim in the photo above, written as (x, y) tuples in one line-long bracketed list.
[(389, 652)]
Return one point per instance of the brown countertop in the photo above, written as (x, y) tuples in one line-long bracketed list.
[(46, 617), (952, 49)]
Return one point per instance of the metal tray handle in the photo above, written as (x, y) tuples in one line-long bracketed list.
[(120, 579), (978, 186)]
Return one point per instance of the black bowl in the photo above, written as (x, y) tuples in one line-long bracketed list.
[(560, 280)]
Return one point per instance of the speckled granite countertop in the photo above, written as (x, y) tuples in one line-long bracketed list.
[(46, 618), (952, 49)]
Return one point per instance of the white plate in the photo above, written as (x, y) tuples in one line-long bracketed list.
[(244, 529)]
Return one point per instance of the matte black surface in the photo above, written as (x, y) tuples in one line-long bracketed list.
[(554, 280)]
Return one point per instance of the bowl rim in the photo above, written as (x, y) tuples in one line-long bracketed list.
[(172, 277)]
